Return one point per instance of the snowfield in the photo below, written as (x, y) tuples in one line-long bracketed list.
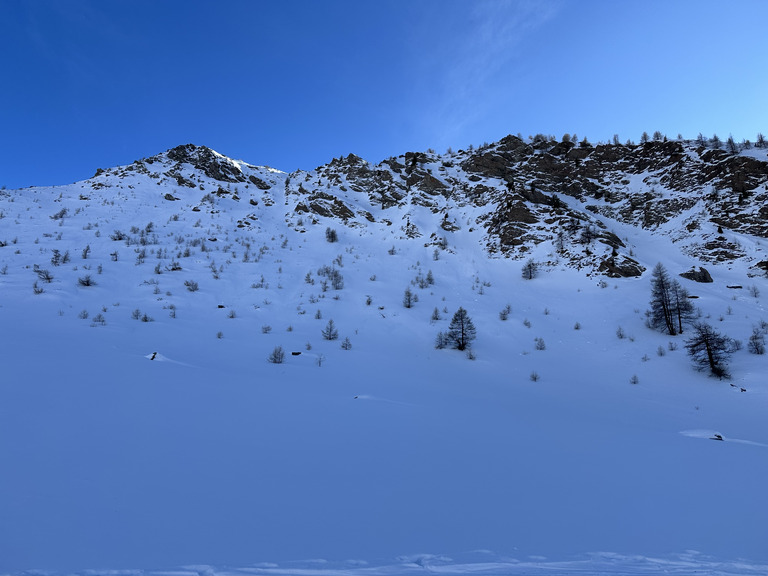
[(172, 447)]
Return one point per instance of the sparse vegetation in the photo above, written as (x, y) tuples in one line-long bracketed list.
[(330, 332), (530, 269), (756, 342), (408, 300), (277, 356), (44, 275), (86, 281)]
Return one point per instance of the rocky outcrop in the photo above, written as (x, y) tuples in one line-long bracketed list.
[(517, 193), (208, 162), (697, 275), (258, 182), (620, 267)]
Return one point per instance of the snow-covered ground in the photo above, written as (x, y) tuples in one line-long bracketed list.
[(388, 458)]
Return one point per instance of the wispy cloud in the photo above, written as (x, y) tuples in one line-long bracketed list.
[(483, 63)]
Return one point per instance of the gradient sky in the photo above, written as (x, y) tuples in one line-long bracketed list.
[(290, 84)]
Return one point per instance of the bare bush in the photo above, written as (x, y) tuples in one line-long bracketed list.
[(277, 356), (86, 281)]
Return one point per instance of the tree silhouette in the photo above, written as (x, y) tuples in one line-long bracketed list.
[(330, 332), (709, 349), (461, 331), (682, 309), (530, 269), (661, 314)]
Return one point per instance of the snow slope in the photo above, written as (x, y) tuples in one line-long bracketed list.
[(388, 458)]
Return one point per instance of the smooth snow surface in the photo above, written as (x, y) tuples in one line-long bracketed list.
[(393, 453)]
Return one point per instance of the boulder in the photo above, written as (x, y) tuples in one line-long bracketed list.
[(699, 274)]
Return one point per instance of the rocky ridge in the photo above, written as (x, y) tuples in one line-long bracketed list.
[(514, 194)]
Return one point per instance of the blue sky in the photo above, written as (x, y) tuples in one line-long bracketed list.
[(88, 84)]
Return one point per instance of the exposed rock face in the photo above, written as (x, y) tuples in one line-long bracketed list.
[(620, 267), (697, 275), (258, 182), (517, 193), (431, 185), (207, 161), (526, 191)]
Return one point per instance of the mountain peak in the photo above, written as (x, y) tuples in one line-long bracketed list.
[(208, 161)]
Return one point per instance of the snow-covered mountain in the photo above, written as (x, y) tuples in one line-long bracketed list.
[(142, 425)]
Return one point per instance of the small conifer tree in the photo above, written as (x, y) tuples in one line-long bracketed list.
[(461, 331)]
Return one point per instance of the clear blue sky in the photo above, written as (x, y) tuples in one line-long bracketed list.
[(289, 84)]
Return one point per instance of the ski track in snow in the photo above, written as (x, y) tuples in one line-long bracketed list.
[(378, 399), (710, 435), (689, 563), (157, 357)]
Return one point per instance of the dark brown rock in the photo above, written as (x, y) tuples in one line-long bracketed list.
[(697, 275)]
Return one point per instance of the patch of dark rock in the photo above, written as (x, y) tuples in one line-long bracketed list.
[(579, 153), (699, 274), (207, 161), (431, 185), (610, 239), (259, 183), (336, 208), (620, 267), (448, 225)]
